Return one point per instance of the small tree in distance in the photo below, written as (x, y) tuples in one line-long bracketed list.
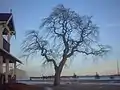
[(63, 34)]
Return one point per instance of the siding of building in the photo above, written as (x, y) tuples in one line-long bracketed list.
[(20, 74)]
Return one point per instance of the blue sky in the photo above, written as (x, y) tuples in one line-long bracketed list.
[(28, 14)]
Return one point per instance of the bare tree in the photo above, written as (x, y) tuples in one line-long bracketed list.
[(63, 34)]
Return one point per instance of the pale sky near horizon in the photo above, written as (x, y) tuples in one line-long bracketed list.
[(106, 14)]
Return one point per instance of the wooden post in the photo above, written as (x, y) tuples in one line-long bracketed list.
[(1, 46), (15, 68), (1, 37), (1, 64), (1, 70), (1, 57), (7, 70)]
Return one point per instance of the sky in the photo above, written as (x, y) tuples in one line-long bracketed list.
[(28, 14)]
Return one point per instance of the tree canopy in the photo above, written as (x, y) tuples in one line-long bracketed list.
[(63, 34)]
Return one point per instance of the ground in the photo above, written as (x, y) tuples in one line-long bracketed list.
[(87, 87), (63, 87)]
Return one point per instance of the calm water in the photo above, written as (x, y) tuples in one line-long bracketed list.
[(82, 78), (68, 80), (101, 78)]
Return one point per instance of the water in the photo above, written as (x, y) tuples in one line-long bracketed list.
[(101, 78), (63, 83), (81, 78), (70, 80)]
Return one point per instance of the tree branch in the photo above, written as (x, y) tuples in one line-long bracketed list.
[(51, 60), (99, 52)]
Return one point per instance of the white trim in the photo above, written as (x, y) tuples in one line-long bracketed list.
[(17, 60), (6, 23), (7, 28), (9, 19)]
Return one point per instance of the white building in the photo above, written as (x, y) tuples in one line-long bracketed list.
[(7, 30)]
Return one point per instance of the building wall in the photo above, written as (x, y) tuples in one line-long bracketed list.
[(20, 74)]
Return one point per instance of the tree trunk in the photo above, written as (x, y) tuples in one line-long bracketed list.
[(57, 78), (58, 72)]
